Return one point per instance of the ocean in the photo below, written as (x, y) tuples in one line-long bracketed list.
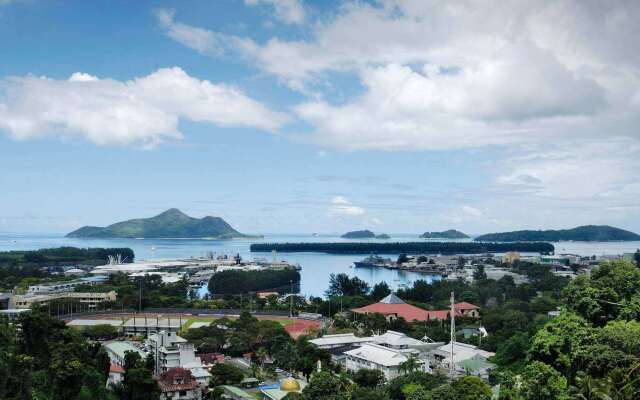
[(316, 267)]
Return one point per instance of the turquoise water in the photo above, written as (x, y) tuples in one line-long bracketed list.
[(315, 267)]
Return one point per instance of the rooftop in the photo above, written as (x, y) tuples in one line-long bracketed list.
[(339, 339), (379, 354)]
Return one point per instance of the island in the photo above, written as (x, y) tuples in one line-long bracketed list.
[(364, 234), (171, 224), (448, 234), (383, 236), (587, 233)]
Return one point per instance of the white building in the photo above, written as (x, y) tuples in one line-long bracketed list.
[(173, 351), (117, 351), (339, 340), (467, 359), (385, 359)]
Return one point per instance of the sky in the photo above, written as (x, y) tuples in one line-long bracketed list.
[(300, 116)]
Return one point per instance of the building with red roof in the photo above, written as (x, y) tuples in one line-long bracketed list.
[(393, 307), (467, 309), (178, 383)]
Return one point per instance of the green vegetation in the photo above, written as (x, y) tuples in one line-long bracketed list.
[(449, 234), (170, 224), (19, 268), (45, 360), (226, 282), (403, 247), (587, 233), (364, 234)]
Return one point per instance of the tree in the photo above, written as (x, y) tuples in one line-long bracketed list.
[(380, 291), (560, 341), (636, 257), (601, 296), (139, 384), (225, 374), (471, 388), (342, 285), (540, 381), (370, 378), (479, 274), (410, 365), (325, 385)]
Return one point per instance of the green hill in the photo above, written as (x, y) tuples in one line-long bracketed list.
[(172, 223), (450, 234), (365, 234), (587, 233)]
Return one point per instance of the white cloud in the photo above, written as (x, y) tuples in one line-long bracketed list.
[(202, 40), (341, 207), (472, 211), (144, 110), (288, 11)]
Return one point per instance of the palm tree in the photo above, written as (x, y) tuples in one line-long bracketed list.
[(410, 365), (589, 388)]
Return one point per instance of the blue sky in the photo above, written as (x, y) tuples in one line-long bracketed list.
[(315, 116)]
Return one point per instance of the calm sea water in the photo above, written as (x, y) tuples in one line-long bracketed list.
[(316, 267)]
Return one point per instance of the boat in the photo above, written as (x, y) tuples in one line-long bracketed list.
[(374, 261)]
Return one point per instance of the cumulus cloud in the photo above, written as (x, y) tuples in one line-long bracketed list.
[(144, 110), (288, 11), (437, 75), (341, 207)]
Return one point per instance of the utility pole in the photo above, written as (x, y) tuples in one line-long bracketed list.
[(291, 299), (453, 334)]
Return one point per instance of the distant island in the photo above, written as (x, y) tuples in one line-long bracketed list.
[(383, 236), (587, 233), (171, 224), (450, 234), (364, 234)]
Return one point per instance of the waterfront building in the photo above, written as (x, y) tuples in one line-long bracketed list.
[(91, 299)]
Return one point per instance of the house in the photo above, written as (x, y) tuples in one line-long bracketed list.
[(210, 359), (339, 340), (400, 341), (178, 383), (116, 374), (384, 359), (467, 309), (172, 351), (116, 351), (393, 307), (467, 359)]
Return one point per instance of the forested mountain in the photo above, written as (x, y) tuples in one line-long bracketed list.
[(587, 233), (172, 223)]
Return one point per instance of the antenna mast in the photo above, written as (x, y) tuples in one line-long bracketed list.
[(453, 334)]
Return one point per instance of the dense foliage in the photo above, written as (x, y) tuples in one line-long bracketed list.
[(403, 247), (250, 281), (587, 233), (45, 360)]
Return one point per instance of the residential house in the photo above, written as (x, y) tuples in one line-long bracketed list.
[(385, 359), (179, 384)]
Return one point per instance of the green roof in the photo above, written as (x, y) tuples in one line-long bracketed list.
[(237, 392), (474, 364)]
